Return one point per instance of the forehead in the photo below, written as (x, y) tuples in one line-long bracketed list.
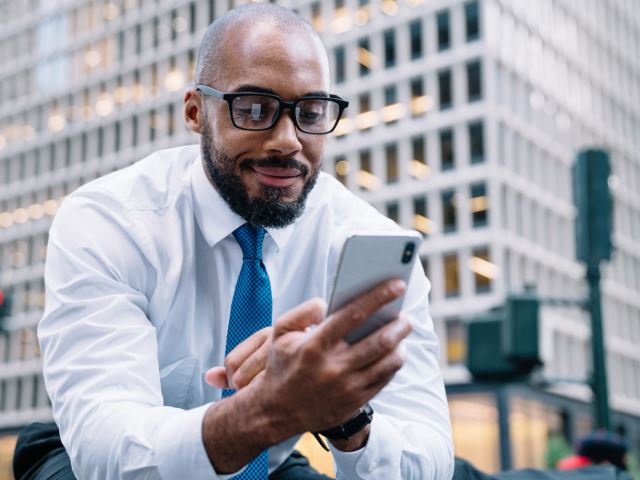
[(291, 62)]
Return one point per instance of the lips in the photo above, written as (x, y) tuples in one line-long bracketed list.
[(276, 176)]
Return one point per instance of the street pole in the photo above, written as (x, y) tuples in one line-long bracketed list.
[(599, 373), (594, 226)]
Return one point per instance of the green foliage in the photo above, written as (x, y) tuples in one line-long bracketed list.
[(633, 465), (557, 449)]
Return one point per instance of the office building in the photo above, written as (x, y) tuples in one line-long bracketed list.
[(464, 120)]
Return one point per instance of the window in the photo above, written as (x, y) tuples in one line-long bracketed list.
[(479, 205), (366, 179), (390, 115), (456, 341), (415, 33), (342, 169), (418, 99), (472, 20), (420, 220), (442, 20), (444, 89), (449, 215), (451, 275), (483, 269), (316, 16), (476, 142), (391, 153), (340, 64), (474, 81), (447, 154), (393, 211), (389, 48), (365, 57), (418, 168)]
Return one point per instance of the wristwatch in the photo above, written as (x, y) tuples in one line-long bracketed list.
[(348, 428)]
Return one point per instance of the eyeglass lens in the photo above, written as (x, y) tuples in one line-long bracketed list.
[(257, 112)]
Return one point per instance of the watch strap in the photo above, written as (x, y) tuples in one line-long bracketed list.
[(350, 427)]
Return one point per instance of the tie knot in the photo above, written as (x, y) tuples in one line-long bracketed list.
[(250, 239)]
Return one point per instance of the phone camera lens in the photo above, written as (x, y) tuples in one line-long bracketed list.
[(408, 252)]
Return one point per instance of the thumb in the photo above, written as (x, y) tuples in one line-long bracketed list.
[(216, 377), (311, 312)]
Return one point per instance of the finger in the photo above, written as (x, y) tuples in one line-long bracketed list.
[(311, 312), (251, 367), (378, 375), (357, 311), (217, 377), (236, 358), (380, 343)]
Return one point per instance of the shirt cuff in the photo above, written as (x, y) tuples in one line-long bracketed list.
[(180, 448), (379, 458)]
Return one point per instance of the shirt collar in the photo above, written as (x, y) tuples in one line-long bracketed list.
[(214, 216)]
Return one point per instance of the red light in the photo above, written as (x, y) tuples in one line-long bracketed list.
[(1, 297)]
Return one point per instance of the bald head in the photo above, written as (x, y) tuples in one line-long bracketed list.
[(211, 55)]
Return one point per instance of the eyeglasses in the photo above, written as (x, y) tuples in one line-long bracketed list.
[(313, 114)]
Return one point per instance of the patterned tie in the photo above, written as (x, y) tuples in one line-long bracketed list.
[(250, 311)]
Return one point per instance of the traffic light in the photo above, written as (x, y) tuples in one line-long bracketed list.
[(485, 360), (503, 345), (592, 198), (520, 331)]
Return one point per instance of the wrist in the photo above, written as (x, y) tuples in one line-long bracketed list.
[(353, 443)]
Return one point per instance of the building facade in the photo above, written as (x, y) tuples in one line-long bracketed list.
[(464, 120)]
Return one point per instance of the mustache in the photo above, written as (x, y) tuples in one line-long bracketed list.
[(275, 162)]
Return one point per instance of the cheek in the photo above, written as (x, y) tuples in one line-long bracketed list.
[(314, 149)]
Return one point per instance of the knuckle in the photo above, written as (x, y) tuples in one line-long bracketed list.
[(230, 363)]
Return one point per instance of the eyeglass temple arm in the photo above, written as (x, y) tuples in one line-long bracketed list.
[(212, 92)]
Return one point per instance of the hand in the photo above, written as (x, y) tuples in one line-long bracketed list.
[(243, 363), (312, 379), (315, 379)]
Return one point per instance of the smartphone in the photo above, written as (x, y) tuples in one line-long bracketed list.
[(366, 261)]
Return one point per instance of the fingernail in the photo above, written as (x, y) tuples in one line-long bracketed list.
[(398, 286)]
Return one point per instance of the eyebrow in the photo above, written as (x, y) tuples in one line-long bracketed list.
[(257, 89)]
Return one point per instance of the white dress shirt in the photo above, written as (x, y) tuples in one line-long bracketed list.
[(140, 275)]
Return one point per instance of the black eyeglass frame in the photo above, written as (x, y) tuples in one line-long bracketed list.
[(282, 104)]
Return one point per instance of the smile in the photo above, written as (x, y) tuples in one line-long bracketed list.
[(276, 177)]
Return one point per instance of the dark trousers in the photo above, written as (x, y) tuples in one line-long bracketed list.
[(40, 455)]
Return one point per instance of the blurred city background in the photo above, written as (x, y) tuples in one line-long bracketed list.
[(465, 119)]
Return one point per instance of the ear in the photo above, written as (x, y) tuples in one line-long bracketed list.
[(193, 112)]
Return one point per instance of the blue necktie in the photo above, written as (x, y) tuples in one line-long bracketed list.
[(250, 312)]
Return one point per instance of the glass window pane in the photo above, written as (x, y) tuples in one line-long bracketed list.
[(483, 269), (415, 32), (342, 169), (476, 142), (444, 89), (389, 48), (393, 211), (451, 275), (391, 152), (472, 20), (474, 81), (479, 205), (449, 214), (340, 69), (447, 154), (365, 57), (442, 20)]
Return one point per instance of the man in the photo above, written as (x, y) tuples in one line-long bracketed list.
[(147, 276)]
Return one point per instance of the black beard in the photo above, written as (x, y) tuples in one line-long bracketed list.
[(267, 209)]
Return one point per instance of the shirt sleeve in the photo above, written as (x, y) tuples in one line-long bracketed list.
[(100, 353), (410, 434)]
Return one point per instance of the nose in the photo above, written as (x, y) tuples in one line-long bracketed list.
[(283, 137)]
